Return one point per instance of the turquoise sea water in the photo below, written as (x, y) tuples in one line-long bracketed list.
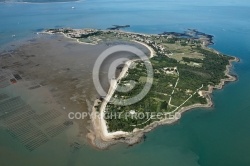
[(219, 136)]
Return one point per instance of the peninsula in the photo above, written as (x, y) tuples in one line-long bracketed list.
[(185, 73)]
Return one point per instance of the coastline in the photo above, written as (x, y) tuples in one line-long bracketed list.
[(99, 136), (25, 2), (68, 37), (98, 122), (152, 51)]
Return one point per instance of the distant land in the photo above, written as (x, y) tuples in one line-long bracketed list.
[(38, 1), (117, 27)]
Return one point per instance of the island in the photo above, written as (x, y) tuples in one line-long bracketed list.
[(118, 27), (185, 72)]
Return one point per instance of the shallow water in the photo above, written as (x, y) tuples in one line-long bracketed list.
[(207, 137)]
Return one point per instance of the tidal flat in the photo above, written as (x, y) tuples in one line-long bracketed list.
[(51, 76)]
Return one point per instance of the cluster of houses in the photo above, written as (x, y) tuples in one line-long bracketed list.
[(147, 39), (143, 38), (170, 70), (79, 32)]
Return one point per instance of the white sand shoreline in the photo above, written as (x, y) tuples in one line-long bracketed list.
[(152, 51)]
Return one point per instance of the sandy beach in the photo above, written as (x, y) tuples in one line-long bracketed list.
[(152, 51), (98, 122)]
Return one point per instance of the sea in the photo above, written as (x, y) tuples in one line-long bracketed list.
[(217, 136)]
